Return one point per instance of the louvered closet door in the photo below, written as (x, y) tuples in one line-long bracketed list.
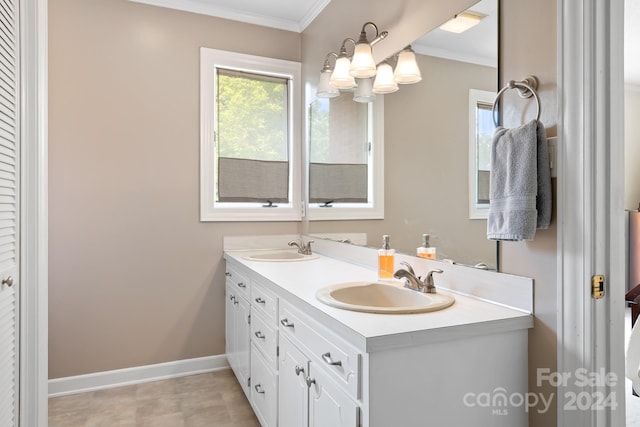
[(9, 204)]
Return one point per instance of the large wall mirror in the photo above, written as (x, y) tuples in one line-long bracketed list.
[(428, 172)]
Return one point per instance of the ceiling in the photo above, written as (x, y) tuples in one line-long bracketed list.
[(296, 15), (290, 15)]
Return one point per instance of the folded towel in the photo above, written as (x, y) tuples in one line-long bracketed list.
[(520, 186)]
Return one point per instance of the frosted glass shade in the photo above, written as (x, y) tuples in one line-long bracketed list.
[(362, 65), (407, 70), (341, 78), (364, 91), (384, 82), (325, 90)]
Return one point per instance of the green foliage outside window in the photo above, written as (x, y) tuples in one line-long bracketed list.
[(252, 116)]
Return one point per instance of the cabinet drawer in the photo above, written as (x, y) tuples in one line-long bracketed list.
[(265, 301), (264, 390), (265, 336), (341, 360), (238, 281)]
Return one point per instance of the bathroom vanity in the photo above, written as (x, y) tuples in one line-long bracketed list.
[(304, 363)]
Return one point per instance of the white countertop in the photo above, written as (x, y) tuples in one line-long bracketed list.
[(468, 316)]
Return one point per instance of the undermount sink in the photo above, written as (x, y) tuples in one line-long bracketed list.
[(281, 256), (374, 297)]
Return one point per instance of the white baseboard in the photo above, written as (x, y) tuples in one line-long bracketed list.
[(135, 375)]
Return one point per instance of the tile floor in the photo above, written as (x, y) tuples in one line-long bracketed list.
[(213, 399)]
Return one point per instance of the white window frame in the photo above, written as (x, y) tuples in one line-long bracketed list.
[(476, 211), (210, 210), (375, 208)]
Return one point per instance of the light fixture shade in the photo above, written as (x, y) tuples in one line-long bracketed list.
[(407, 70), (364, 91), (325, 90), (362, 63), (341, 78), (384, 82)]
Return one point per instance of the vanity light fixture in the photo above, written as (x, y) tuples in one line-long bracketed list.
[(362, 65), (462, 22), (364, 91), (325, 90), (384, 82), (407, 71), (341, 78), (359, 71)]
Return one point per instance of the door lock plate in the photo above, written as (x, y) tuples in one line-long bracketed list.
[(597, 286)]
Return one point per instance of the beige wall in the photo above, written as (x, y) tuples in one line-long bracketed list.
[(632, 147), (528, 46), (426, 138), (135, 277)]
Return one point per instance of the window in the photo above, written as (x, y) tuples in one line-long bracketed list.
[(481, 129), (250, 138), (345, 161)]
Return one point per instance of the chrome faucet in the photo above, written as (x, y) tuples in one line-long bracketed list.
[(414, 282), (303, 248)]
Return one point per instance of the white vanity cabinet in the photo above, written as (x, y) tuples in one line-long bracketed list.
[(315, 366), (307, 394), (264, 354), (237, 328)]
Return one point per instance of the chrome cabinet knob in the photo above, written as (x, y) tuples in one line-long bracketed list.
[(8, 281), (259, 389), (260, 300), (310, 381), (299, 370), (260, 335)]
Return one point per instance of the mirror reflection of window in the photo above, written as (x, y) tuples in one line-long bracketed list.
[(481, 129), (484, 134), (339, 152)]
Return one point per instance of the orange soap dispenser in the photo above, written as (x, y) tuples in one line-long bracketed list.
[(385, 260), (426, 251)]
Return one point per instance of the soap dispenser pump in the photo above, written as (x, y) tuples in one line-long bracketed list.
[(426, 251), (385, 260)]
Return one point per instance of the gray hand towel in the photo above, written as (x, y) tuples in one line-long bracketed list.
[(520, 187)]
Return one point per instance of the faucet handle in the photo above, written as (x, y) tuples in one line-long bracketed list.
[(408, 266), (429, 284)]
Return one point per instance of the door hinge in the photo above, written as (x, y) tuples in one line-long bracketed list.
[(249, 319), (597, 286), (278, 351), (249, 382)]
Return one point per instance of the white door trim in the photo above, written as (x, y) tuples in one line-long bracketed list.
[(590, 203), (33, 232)]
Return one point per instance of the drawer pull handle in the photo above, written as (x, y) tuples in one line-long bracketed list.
[(260, 335), (286, 323), (242, 285), (298, 370), (310, 381), (329, 361), (259, 389), (260, 300), (232, 298), (226, 273)]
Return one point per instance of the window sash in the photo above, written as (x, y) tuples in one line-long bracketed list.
[(210, 209)]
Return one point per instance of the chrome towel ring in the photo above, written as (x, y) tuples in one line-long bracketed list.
[(526, 88)]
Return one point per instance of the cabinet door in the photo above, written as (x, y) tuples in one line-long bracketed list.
[(243, 343), (293, 393), (230, 330), (264, 390), (329, 405)]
